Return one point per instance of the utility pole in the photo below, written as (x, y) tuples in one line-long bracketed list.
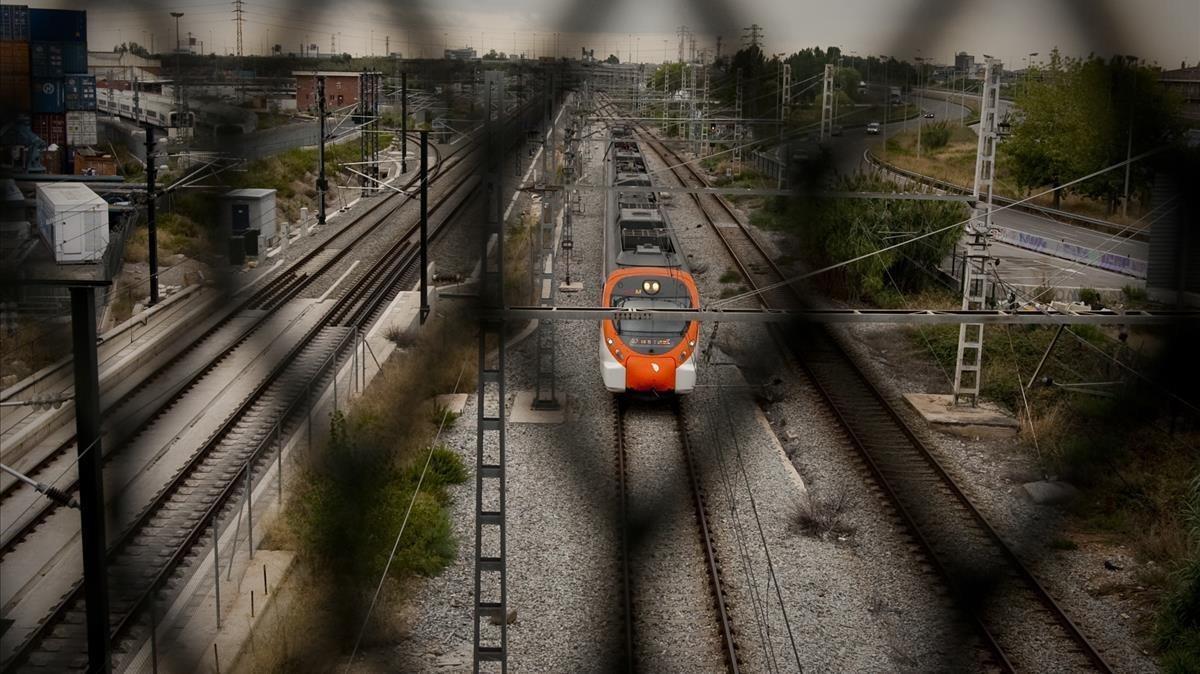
[(491, 597), (968, 375), (321, 184), (424, 225), (404, 122), (827, 103), (785, 98), (920, 116), (91, 480), (738, 129), (151, 221)]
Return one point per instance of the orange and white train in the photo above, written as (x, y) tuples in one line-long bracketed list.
[(645, 269)]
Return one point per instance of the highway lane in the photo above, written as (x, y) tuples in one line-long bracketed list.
[(848, 152)]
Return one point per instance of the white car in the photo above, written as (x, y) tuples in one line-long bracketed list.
[(873, 129)]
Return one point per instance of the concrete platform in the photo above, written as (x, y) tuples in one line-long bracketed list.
[(986, 418), (454, 402), (523, 413), (572, 287), (1050, 492)]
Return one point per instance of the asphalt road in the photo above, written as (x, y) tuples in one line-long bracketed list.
[(1021, 267)]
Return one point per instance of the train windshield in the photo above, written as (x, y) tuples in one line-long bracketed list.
[(659, 326)]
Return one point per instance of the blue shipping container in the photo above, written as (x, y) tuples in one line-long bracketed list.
[(14, 23), (48, 95), (46, 59), (57, 25), (79, 92), (74, 57)]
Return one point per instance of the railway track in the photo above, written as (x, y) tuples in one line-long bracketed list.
[(150, 560), (1017, 619), (264, 301), (661, 613)]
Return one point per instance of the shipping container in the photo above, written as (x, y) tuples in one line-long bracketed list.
[(57, 25), (81, 128), (79, 92), (73, 221), (74, 58), (48, 95), (46, 59), (51, 127), (14, 94), (94, 163), (14, 23), (14, 57)]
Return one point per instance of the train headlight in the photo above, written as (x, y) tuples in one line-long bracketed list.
[(683, 356), (651, 287), (609, 340), (618, 355), (692, 343)]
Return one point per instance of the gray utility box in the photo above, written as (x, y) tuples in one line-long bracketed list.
[(249, 209)]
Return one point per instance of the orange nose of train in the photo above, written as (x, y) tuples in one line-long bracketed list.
[(648, 373)]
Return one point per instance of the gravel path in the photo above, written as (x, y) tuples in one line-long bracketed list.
[(1110, 605)]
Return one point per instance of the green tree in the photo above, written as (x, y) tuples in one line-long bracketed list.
[(1077, 117), (612, 59)]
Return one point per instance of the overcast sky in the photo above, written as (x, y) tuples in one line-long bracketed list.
[(1166, 31)]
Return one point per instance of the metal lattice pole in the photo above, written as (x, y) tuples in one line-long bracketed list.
[(968, 376), (827, 103), (738, 129), (490, 567)]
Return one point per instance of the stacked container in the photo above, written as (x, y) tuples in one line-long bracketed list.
[(43, 74), (15, 83)]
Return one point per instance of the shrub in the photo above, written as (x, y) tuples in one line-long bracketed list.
[(937, 135), (1133, 293), (1090, 297), (822, 517), (730, 276)]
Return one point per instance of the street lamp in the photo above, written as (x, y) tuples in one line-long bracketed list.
[(887, 101), (177, 16), (920, 117)]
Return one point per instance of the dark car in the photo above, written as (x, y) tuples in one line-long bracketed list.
[(928, 115)]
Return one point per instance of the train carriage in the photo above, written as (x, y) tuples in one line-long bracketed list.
[(645, 269)]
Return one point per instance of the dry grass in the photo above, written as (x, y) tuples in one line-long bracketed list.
[(31, 345), (823, 516)]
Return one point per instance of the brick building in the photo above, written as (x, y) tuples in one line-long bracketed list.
[(341, 89)]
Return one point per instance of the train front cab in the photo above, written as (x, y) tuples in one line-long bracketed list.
[(649, 356)]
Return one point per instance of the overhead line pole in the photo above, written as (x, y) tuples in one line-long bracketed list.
[(322, 185)]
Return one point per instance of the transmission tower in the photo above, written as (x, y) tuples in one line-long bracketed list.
[(968, 377), (753, 35), (682, 32), (719, 39), (239, 19)]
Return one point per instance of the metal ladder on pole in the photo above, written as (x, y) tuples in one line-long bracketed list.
[(491, 588), (827, 103), (968, 375)]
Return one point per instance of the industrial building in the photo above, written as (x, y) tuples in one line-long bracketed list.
[(341, 89)]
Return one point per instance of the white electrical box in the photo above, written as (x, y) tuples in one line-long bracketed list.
[(73, 220)]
